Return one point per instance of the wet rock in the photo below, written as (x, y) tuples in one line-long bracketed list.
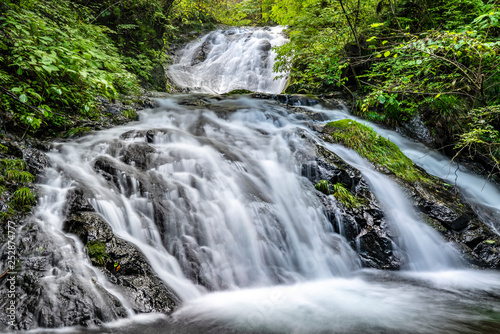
[(41, 263), (77, 199), (376, 251), (201, 53), (36, 160), (292, 100), (417, 129), (137, 154), (125, 265), (363, 227), (265, 46)]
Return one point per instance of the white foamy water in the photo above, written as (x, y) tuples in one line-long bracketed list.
[(233, 202), (219, 209), (225, 60), (482, 194)]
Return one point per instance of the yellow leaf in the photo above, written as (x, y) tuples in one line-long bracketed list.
[(437, 96)]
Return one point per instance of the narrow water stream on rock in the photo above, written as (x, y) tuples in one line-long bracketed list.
[(212, 191), (481, 193)]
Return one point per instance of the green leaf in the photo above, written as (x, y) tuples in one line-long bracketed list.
[(375, 25), (23, 98), (50, 68), (387, 53)]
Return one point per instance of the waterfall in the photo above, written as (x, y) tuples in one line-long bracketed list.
[(211, 191), (423, 245), (225, 60), (482, 194)]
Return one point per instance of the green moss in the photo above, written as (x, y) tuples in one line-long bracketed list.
[(96, 250), (130, 114), (22, 199), (378, 150), (76, 131), (340, 192), (238, 92)]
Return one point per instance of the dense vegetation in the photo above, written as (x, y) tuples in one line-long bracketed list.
[(398, 59), (56, 56)]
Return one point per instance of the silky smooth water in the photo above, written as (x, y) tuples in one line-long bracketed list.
[(228, 221), (231, 183), (225, 60), (481, 193)]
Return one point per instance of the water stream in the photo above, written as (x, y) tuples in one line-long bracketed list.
[(225, 60), (221, 211), (481, 193)]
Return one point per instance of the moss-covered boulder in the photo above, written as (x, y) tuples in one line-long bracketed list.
[(438, 203)]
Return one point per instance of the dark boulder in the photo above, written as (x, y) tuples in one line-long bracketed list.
[(78, 300), (364, 227), (124, 265)]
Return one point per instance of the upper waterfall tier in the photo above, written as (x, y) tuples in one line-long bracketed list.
[(225, 60)]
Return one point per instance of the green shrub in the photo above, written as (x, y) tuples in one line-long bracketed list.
[(97, 252), (53, 64)]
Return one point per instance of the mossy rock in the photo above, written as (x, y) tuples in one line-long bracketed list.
[(238, 92), (377, 149), (96, 250)]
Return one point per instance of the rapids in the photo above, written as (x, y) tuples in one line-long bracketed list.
[(219, 207)]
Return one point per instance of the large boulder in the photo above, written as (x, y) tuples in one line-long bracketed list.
[(123, 264), (363, 226)]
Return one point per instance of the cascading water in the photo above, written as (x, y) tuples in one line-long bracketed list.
[(423, 246), (210, 190), (222, 61), (482, 194)]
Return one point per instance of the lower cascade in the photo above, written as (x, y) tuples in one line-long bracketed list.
[(203, 217), (215, 205)]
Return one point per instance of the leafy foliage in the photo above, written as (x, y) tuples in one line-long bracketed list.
[(52, 64), (482, 136), (14, 187)]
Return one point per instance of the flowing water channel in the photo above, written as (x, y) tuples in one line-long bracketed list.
[(222, 212)]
